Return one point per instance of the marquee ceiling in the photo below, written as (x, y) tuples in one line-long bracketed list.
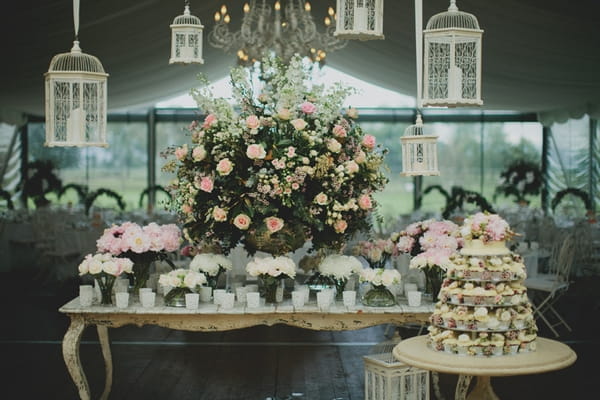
[(538, 55)]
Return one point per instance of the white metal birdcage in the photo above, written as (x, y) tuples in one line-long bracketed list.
[(419, 151), (359, 19), (76, 100), (452, 59), (186, 39)]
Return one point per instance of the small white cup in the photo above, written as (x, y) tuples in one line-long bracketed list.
[(323, 300), (349, 297), (240, 293), (218, 295), (122, 299), (252, 288), (147, 299), (191, 301), (205, 294), (86, 295), (414, 298), (227, 300), (121, 285), (410, 287), (145, 290), (298, 297), (253, 299)]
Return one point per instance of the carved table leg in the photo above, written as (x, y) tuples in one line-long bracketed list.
[(462, 387), (108, 366), (483, 390), (70, 348)]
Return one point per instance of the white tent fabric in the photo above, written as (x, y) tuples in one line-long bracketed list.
[(538, 55)]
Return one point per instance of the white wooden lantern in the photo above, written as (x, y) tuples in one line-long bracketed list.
[(388, 379), (359, 19), (419, 151), (186, 39), (75, 100), (452, 59)]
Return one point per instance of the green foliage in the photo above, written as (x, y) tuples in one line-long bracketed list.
[(520, 179), (155, 189), (107, 192), (6, 196), (81, 190), (41, 181), (581, 194)]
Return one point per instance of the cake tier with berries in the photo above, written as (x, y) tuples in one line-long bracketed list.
[(483, 308)]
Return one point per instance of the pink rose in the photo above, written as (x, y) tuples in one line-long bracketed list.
[(206, 184), (252, 122), (340, 226), (181, 152), (369, 141), (308, 108), (219, 214), (321, 199), (241, 221), (334, 146), (274, 224), (224, 167), (291, 152), (199, 153), (360, 157), (299, 124), (256, 151), (209, 121), (352, 167), (352, 113), (364, 202), (339, 131), (284, 114), (186, 209)]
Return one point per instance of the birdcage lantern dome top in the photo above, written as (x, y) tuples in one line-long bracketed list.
[(419, 151), (76, 61), (187, 19), (453, 19)]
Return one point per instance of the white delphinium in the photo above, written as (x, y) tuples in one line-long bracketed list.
[(340, 267)]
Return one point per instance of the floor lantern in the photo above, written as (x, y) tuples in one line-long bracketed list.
[(452, 62), (419, 151), (186, 38), (359, 19), (75, 87)]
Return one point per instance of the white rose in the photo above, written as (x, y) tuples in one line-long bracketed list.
[(95, 266), (110, 267), (174, 281)]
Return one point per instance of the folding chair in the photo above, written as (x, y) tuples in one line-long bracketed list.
[(545, 289)]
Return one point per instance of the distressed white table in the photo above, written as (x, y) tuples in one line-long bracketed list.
[(209, 318), (549, 356)]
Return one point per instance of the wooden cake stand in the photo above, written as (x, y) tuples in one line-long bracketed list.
[(549, 356)]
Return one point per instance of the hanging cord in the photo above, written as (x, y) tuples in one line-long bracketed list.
[(419, 47), (76, 18)]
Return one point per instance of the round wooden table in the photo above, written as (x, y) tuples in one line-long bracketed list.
[(549, 356)]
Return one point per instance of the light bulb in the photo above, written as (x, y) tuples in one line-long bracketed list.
[(217, 16), (223, 9), (327, 21), (227, 19), (307, 6), (330, 11), (246, 8), (277, 6)]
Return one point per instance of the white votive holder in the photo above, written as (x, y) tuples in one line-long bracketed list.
[(86, 295), (121, 285), (191, 301), (410, 287), (240, 293), (349, 297), (205, 294), (253, 299), (323, 300), (414, 298), (218, 295), (298, 298), (122, 299), (253, 287), (147, 299), (227, 300)]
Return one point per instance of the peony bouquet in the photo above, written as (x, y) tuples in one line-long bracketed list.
[(486, 227), (376, 252), (271, 271), (380, 276), (340, 267), (105, 268), (281, 166), (424, 235), (211, 265)]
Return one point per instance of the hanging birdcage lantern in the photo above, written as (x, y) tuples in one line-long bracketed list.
[(419, 151), (76, 93), (452, 61), (186, 38), (359, 19)]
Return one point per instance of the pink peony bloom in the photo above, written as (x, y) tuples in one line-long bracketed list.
[(365, 202), (298, 124), (339, 131), (340, 226), (252, 122), (242, 221), (414, 229), (256, 151), (369, 141), (209, 121), (219, 214), (171, 237), (405, 244), (224, 167), (274, 224), (154, 233), (308, 108), (206, 184)]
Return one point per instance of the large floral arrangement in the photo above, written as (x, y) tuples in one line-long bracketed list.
[(377, 252), (280, 167), (211, 265), (486, 227)]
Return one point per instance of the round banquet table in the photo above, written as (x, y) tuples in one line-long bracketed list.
[(549, 356)]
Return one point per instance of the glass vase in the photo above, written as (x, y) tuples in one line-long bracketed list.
[(317, 282), (141, 273), (434, 276), (379, 296), (379, 263), (213, 281), (340, 285), (271, 289), (176, 297), (106, 283)]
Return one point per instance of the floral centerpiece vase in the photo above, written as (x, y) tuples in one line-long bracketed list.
[(381, 280), (105, 269), (212, 266), (181, 281), (379, 296), (271, 272), (339, 269)]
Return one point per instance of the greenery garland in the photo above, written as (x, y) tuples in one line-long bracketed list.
[(460, 196), (81, 190), (583, 195), (7, 196), (521, 178), (89, 200), (440, 189), (155, 188)]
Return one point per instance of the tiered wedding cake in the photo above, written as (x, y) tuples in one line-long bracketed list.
[(483, 308)]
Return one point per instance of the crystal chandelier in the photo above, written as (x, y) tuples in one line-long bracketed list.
[(279, 30)]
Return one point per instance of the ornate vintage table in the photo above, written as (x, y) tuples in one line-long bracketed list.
[(209, 318), (549, 356)]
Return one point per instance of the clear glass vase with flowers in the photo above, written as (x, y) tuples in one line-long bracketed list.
[(180, 282), (105, 269), (271, 272), (212, 266), (381, 279), (339, 269)]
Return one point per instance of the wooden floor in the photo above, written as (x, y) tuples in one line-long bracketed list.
[(257, 363)]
